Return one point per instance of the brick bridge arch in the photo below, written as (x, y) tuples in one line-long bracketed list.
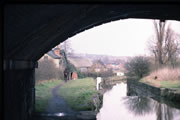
[(32, 30)]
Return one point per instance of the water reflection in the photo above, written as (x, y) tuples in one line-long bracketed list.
[(143, 105), (118, 106), (54, 114), (163, 112), (139, 105)]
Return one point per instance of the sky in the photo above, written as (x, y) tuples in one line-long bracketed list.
[(118, 38)]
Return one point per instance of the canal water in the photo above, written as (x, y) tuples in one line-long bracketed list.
[(118, 106)]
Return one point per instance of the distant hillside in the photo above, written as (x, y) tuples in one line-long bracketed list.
[(106, 59)]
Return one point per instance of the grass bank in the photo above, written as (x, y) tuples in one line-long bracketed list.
[(163, 83), (43, 93), (78, 93), (165, 78)]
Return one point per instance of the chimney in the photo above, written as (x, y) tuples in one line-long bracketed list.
[(57, 51)]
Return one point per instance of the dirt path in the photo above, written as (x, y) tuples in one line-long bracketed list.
[(57, 104)]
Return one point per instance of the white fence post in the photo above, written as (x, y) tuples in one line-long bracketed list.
[(98, 83)]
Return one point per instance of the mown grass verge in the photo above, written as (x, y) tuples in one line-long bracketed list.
[(78, 93), (163, 84), (43, 93), (170, 84)]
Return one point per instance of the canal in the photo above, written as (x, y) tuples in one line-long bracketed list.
[(118, 106)]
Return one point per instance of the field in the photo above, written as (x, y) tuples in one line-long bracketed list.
[(43, 94), (78, 93)]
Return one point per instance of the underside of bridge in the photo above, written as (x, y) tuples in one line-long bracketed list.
[(33, 29)]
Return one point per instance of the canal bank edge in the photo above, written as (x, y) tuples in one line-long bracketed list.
[(168, 96)]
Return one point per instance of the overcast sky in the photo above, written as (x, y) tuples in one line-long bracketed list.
[(119, 38)]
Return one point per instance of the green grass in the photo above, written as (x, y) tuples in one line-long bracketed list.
[(78, 93), (162, 83), (170, 84), (43, 94), (152, 82)]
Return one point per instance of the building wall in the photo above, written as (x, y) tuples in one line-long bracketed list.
[(56, 61), (83, 69), (74, 76)]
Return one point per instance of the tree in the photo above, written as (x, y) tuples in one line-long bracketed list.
[(137, 66), (165, 45), (172, 47), (67, 47)]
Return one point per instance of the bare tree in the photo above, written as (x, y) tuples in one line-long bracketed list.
[(165, 45), (172, 47), (66, 46), (159, 27)]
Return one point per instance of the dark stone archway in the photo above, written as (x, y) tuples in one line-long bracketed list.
[(32, 30)]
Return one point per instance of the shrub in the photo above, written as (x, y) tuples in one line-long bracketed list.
[(81, 74), (137, 67), (108, 73), (47, 70)]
